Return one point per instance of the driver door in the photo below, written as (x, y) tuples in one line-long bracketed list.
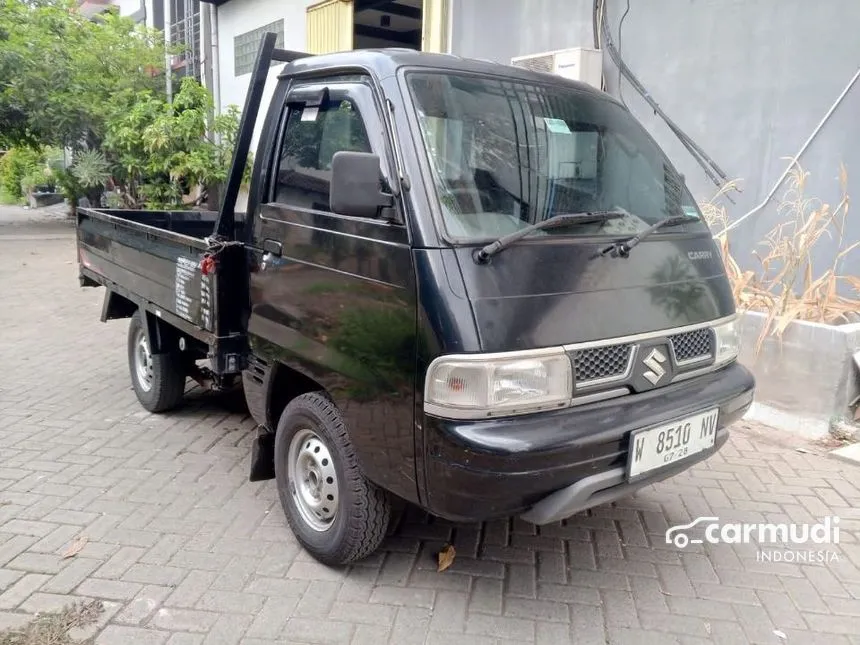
[(334, 296)]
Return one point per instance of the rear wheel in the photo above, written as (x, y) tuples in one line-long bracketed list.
[(336, 513), (158, 379)]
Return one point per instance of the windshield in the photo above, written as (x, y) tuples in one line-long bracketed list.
[(505, 154)]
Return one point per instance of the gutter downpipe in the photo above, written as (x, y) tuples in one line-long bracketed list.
[(215, 58), (449, 44), (168, 72), (206, 54)]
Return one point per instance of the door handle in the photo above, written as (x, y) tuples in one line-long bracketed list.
[(273, 247)]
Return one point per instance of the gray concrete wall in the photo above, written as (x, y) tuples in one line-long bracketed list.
[(807, 377), (746, 80)]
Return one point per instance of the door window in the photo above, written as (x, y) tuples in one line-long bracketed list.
[(311, 137)]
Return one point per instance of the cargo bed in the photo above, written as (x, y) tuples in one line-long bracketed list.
[(152, 260)]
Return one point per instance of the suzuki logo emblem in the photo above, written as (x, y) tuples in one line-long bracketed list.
[(654, 361)]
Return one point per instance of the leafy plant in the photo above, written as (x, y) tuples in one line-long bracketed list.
[(15, 165), (69, 186), (55, 159), (6, 197), (41, 178), (164, 151), (60, 69), (91, 168), (787, 287), (97, 84)]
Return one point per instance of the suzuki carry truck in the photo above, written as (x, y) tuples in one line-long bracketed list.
[(477, 288)]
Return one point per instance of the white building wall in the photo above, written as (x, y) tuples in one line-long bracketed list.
[(130, 7), (239, 16), (147, 4)]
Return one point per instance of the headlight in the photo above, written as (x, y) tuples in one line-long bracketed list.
[(728, 342), (485, 385)]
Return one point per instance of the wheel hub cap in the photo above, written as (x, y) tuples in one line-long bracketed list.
[(313, 480), (143, 362)]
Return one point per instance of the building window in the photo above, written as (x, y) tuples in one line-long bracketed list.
[(185, 32), (245, 46)]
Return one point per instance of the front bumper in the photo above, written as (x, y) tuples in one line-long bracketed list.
[(547, 466), (606, 487)]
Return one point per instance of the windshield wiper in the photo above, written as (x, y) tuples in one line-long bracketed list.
[(622, 248), (557, 220)]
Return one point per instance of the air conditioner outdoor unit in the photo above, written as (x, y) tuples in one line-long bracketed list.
[(577, 63)]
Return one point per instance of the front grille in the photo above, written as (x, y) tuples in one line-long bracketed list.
[(693, 345), (601, 362)]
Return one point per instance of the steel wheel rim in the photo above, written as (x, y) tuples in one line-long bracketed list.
[(142, 361), (313, 480)]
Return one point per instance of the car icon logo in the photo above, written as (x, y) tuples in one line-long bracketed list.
[(676, 534)]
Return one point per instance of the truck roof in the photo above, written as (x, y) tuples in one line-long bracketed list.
[(386, 61)]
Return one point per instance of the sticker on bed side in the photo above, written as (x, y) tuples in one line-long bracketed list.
[(558, 126), (186, 269)]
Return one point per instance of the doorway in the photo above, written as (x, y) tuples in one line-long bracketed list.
[(387, 23), (341, 25)]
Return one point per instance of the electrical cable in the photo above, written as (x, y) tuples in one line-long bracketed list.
[(715, 173), (637, 85), (620, 26), (796, 156), (596, 18), (711, 168)]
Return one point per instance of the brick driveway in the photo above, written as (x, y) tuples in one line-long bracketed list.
[(183, 549)]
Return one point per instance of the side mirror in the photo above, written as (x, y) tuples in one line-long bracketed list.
[(355, 185)]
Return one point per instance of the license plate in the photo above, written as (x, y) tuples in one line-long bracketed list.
[(655, 448)]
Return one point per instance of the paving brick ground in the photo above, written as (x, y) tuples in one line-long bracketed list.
[(184, 550)]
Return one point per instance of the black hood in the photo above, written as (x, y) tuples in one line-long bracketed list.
[(550, 292)]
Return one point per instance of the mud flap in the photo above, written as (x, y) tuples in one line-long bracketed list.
[(262, 456)]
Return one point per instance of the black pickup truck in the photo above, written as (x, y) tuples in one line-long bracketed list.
[(480, 289)]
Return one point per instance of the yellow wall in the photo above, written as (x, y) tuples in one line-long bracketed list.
[(329, 25), (434, 37)]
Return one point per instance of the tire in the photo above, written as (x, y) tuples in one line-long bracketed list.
[(158, 379), (336, 513)]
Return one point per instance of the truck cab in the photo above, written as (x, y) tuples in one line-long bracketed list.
[(480, 289), (539, 381)]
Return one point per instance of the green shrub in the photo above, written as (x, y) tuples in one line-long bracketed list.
[(161, 152), (15, 165), (6, 197), (69, 186), (55, 159), (40, 179)]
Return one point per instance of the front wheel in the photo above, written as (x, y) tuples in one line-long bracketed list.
[(158, 379), (335, 512)]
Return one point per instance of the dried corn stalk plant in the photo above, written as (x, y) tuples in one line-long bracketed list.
[(787, 287)]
